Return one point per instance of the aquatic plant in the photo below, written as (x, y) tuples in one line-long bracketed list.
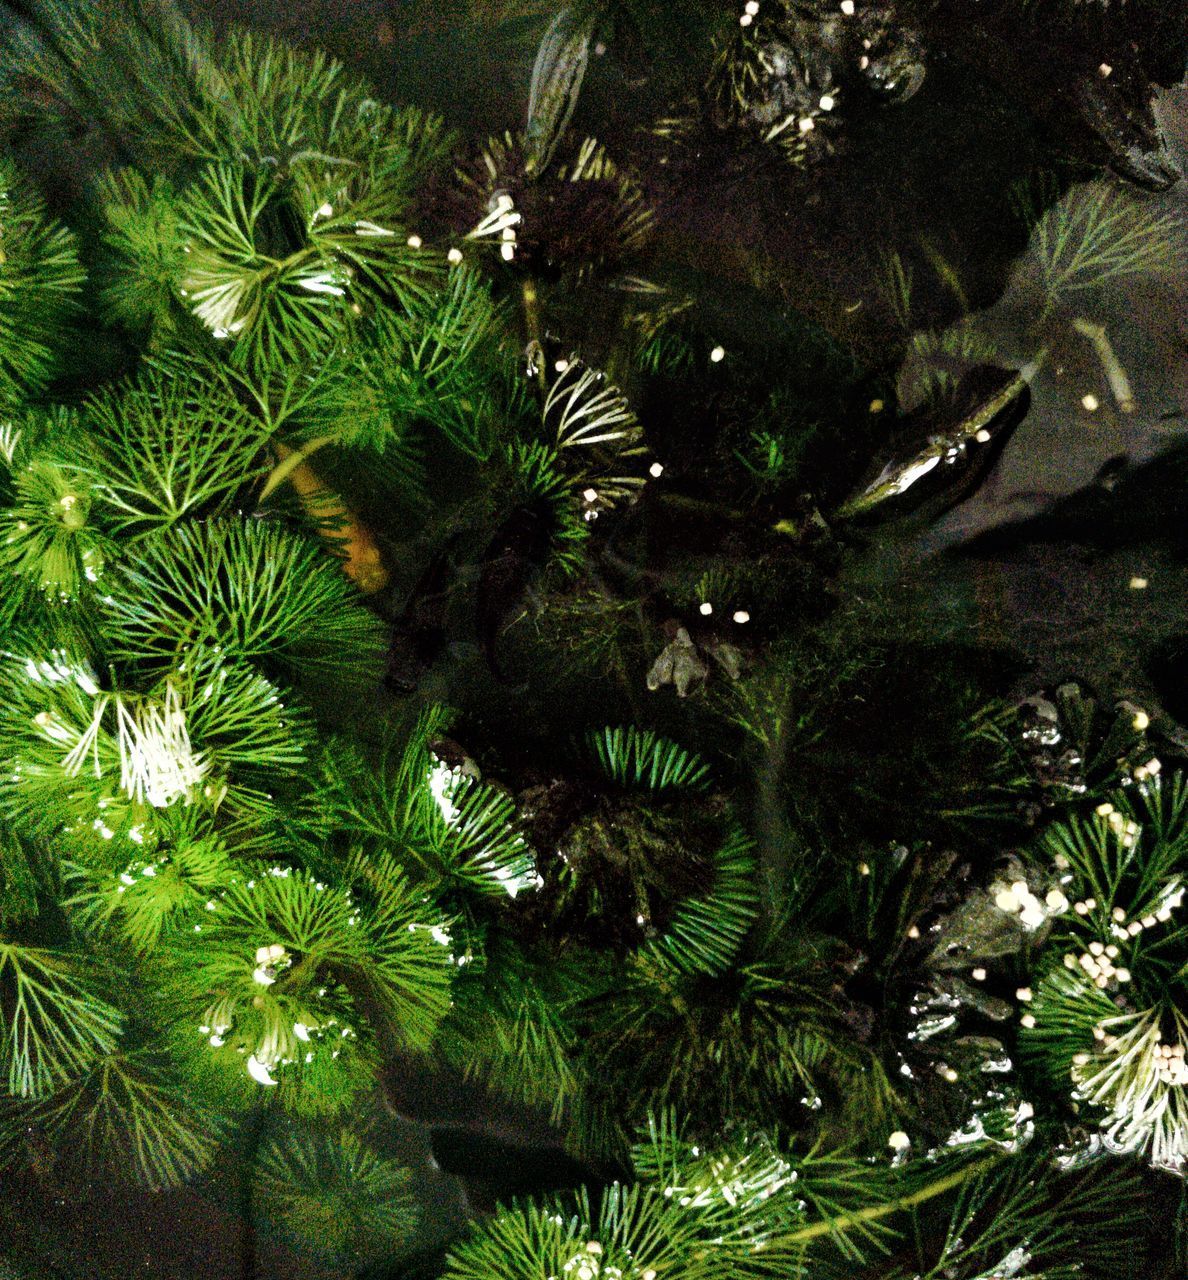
[(350, 385), (40, 281), (124, 1117), (749, 1206), (1106, 1018), (331, 1193), (1098, 233)]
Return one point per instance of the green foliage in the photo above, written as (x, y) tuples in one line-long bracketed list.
[(146, 252), (180, 95), (156, 892), (40, 278), (253, 587), (210, 731), (53, 1023), (59, 735), (739, 1043), (22, 877), (636, 757), (328, 1191), (293, 183), (125, 1116), (1108, 1022), (538, 477), (1098, 233), (512, 1025), (436, 362), (282, 971), (249, 734), (445, 829), (174, 447), (51, 535), (747, 1206), (707, 930)]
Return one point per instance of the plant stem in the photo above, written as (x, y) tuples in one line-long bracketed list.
[(1110, 364), (531, 300), (872, 1213)]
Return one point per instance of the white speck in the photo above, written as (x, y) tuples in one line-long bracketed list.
[(745, 20), (1138, 584), (827, 102), (847, 7), (561, 365), (415, 242), (898, 1141), (1089, 402), (983, 436), (978, 975), (1141, 720), (590, 495), (741, 616), (454, 256), (507, 251), (1104, 69), (807, 124), (718, 354), (656, 470), (325, 211), (705, 608)]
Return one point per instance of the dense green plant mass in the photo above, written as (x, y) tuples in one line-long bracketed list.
[(824, 957)]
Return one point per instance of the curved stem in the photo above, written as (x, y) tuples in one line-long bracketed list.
[(872, 1213)]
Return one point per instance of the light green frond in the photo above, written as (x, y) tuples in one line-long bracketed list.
[(435, 361), (410, 961), (636, 757), (1099, 233), (125, 1117), (152, 894), (251, 734), (174, 447), (51, 536), (541, 480), (146, 248), (445, 828), (511, 1025), (259, 986), (52, 1023), (707, 929), (253, 587)]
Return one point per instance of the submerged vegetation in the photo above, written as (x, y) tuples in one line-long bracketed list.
[(473, 678)]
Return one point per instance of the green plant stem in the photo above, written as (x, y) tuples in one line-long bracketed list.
[(872, 1213)]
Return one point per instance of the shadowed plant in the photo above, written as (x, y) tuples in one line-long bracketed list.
[(1097, 234)]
